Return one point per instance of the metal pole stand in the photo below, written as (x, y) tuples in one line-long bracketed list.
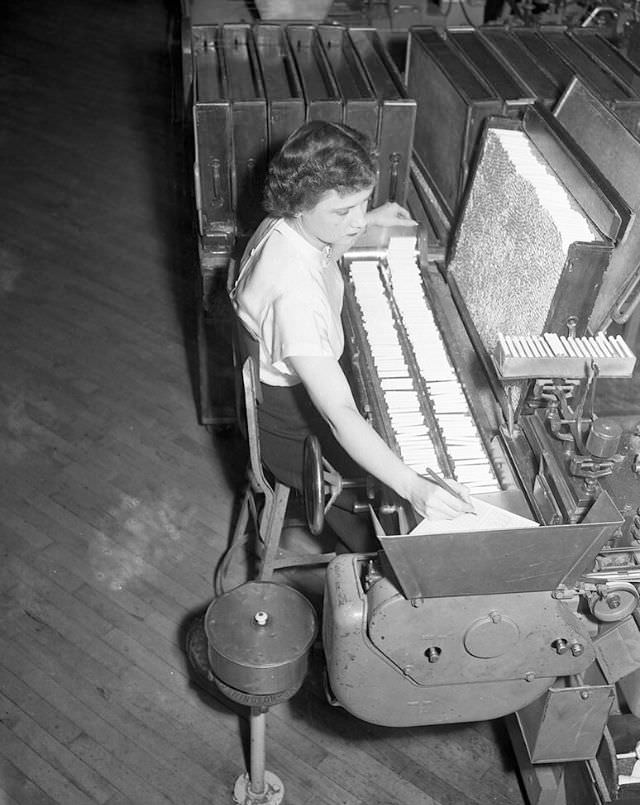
[(259, 636), (259, 787)]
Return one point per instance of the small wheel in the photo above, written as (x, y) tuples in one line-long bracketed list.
[(313, 485), (620, 600)]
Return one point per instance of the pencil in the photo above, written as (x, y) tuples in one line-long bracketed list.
[(433, 476)]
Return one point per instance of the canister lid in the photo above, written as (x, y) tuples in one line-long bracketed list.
[(261, 625)]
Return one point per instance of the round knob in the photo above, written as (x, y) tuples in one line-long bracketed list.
[(560, 645), (261, 618), (433, 653)]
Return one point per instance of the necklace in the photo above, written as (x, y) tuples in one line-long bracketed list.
[(324, 248)]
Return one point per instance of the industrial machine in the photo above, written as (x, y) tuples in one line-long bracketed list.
[(478, 346), (249, 87), (489, 369)]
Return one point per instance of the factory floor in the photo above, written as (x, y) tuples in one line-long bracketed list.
[(115, 503)]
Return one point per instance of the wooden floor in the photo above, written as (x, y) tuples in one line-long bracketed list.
[(115, 504)]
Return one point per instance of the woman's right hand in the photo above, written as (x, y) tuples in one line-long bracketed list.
[(330, 393), (435, 503)]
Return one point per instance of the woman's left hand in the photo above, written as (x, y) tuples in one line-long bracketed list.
[(389, 214)]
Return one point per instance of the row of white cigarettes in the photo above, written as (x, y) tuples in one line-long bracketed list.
[(550, 345)]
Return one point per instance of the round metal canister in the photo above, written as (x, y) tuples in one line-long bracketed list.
[(259, 636), (604, 438)]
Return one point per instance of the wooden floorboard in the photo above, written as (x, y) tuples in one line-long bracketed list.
[(115, 504)]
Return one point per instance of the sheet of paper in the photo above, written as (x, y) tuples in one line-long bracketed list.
[(487, 518)]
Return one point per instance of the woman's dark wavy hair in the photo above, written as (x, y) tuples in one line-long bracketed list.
[(316, 158)]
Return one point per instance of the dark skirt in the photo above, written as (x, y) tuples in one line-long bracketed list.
[(286, 416)]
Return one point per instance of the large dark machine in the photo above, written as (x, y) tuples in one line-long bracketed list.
[(249, 87), (479, 623), (536, 618), (478, 346)]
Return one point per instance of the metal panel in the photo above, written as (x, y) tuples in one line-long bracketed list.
[(397, 115), (510, 561), (622, 99), (566, 723), (249, 116), (360, 106), (595, 195), (285, 101), (504, 81), (544, 53), (321, 94), (564, 58), (213, 140), (616, 154), (608, 56), (603, 138), (453, 102), (359, 670), (618, 649), (530, 72), (602, 82)]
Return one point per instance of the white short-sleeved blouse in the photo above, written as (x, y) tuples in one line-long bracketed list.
[(289, 296)]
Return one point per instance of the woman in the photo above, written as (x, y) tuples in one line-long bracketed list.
[(289, 297)]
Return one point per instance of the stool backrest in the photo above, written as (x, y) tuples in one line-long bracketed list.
[(247, 347), (249, 397)]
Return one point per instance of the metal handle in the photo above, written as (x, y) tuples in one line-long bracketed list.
[(394, 159), (216, 181), (628, 300)]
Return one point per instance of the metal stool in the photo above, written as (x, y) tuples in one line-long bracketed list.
[(262, 503)]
